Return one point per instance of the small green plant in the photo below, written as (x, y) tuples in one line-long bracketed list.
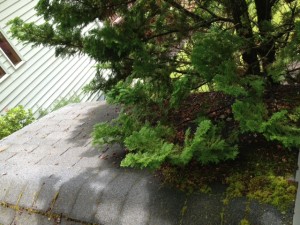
[(244, 222), (43, 112), (59, 104), (65, 101), (14, 119), (149, 146)]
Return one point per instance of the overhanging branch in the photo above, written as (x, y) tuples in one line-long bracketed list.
[(183, 10)]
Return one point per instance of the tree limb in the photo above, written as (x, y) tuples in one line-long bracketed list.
[(183, 10)]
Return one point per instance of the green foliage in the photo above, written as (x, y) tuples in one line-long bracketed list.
[(281, 126), (181, 88), (286, 57), (59, 104), (206, 146), (258, 170), (215, 46), (141, 99), (243, 112), (150, 146), (270, 189), (146, 145), (127, 93), (150, 150), (65, 101), (14, 119), (244, 222), (159, 53), (116, 131), (236, 187), (105, 133)]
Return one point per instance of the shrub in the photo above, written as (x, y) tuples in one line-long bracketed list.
[(14, 119), (159, 53)]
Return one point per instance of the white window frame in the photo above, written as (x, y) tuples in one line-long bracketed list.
[(6, 73), (14, 48)]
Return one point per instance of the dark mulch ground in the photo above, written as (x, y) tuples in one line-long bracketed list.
[(217, 105)]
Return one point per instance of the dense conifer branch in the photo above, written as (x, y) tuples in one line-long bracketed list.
[(156, 57), (220, 18), (183, 10)]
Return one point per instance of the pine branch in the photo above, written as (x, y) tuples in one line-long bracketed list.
[(220, 18), (184, 10)]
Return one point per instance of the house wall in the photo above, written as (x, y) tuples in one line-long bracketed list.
[(41, 78)]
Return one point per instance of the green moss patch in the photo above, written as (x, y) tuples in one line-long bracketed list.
[(263, 172), (270, 189)]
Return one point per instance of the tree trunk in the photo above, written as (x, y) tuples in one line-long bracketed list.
[(239, 11), (267, 48)]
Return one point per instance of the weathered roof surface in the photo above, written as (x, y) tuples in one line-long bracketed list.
[(51, 174)]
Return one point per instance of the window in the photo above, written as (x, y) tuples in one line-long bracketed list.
[(9, 51), (2, 72)]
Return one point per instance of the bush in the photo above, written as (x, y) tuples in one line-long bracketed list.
[(14, 119), (160, 53), (149, 136)]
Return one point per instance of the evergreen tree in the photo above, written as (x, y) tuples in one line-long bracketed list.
[(154, 54)]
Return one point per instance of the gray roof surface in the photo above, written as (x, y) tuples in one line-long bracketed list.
[(51, 174)]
